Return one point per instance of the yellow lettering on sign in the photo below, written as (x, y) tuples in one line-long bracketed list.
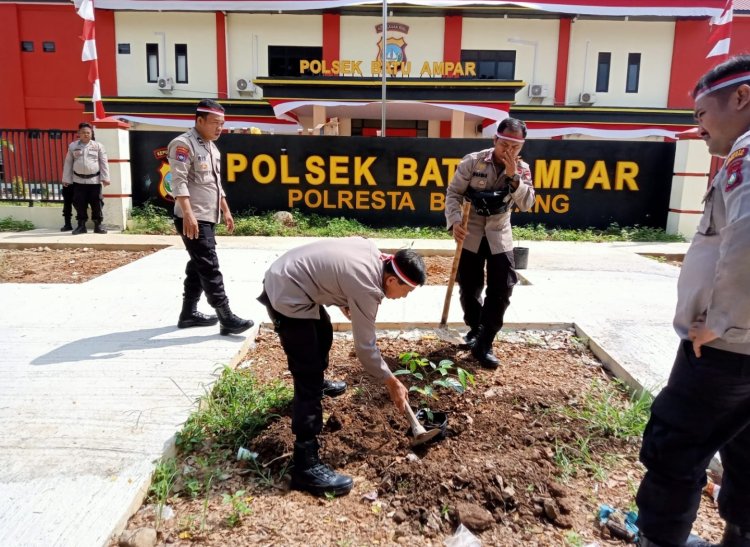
[(574, 169), (406, 172), (598, 175), (270, 166), (375, 67), (294, 196), (425, 70), (378, 203), (315, 170), (625, 173), (303, 65), (437, 201), (236, 163), (432, 174), (452, 165), (362, 170), (339, 169), (358, 200), (285, 177), (471, 69), (438, 68), (345, 197), (547, 174), (560, 203)]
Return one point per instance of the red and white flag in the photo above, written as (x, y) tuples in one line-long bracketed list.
[(85, 8), (721, 33)]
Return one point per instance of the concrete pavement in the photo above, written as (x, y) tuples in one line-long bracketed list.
[(97, 379)]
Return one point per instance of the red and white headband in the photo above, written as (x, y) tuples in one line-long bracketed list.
[(209, 110), (510, 139), (401, 275), (732, 79)]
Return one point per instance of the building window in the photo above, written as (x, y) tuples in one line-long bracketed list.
[(602, 72), (48, 47), (123, 49), (152, 63), (284, 60), (634, 70), (491, 65), (393, 128), (181, 63), (27, 47)]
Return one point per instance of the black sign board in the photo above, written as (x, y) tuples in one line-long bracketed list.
[(402, 181)]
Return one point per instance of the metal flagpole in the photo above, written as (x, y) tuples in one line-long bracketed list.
[(382, 69)]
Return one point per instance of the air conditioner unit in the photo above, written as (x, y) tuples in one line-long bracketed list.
[(586, 97), (538, 91), (165, 84), (245, 86)]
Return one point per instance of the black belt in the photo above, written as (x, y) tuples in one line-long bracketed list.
[(86, 176)]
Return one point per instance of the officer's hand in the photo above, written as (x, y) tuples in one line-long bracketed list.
[(346, 311), (459, 232), (229, 220), (398, 393), (510, 160), (699, 334), (190, 226), (106, 183)]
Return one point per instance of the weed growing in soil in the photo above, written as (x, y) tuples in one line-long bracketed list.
[(161, 485), (9, 224), (234, 411), (240, 507)]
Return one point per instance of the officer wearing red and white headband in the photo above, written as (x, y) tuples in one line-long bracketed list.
[(195, 168), (495, 180), (350, 273), (705, 406)]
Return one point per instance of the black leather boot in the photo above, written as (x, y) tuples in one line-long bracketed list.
[(98, 228), (67, 227), (692, 541), (311, 475), (471, 337), (191, 317), (482, 349), (230, 323), (333, 388), (80, 229), (734, 536)]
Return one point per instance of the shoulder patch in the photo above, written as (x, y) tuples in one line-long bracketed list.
[(734, 168), (182, 153)]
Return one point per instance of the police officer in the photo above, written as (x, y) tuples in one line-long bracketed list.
[(85, 171), (195, 166), (350, 273), (495, 180), (705, 406)]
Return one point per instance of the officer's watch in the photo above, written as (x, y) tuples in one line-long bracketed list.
[(515, 178)]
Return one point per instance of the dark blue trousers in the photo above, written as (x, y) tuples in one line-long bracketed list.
[(704, 409), (202, 273)]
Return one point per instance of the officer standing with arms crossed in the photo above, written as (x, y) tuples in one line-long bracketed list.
[(195, 166), (86, 169), (494, 180), (705, 406)]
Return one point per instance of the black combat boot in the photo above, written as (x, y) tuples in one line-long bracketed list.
[(80, 229), (98, 228), (692, 541), (333, 388), (67, 227), (311, 475), (191, 317), (482, 349), (471, 337), (734, 536), (230, 323)]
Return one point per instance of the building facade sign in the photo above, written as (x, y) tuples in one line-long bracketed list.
[(398, 182)]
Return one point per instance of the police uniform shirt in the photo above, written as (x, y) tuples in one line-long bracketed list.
[(85, 159), (714, 276), (478, 171), (195, 167), (344, 272)]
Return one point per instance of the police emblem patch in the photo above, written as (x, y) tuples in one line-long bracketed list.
[(734, 168), (181, 154)]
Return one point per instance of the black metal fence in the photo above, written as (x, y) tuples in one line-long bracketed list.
[(31, 164)]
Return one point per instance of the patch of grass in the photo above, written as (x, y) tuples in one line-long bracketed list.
[(9, 224), (579, 456), (234, 411), (608, 415), (573, 539), (151, 219), (162, 482), (240, 507)]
